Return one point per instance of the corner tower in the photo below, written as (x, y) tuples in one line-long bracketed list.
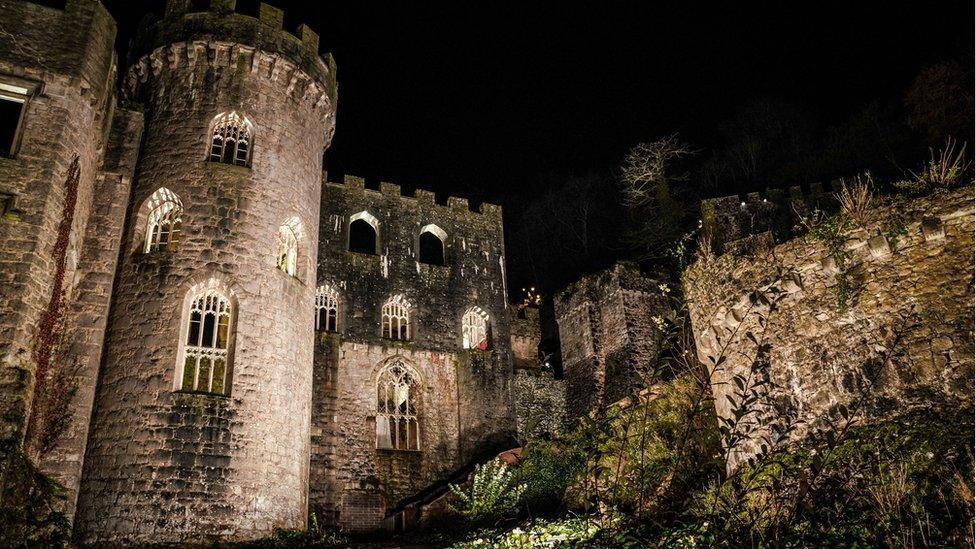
[(201, 424)]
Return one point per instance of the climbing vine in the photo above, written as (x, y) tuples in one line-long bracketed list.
[(832, 231), (49, 415)]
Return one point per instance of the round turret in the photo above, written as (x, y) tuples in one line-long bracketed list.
[(201, 431)]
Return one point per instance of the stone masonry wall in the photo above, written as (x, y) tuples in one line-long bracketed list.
[(165, 466), (608, 340), (66, 56), (540, 402), (540, 398), (354, 483), (906, 338), (468, 398), (87, 314)]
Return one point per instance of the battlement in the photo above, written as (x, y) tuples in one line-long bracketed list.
[(731, 218), (220, 21), (420, 196)]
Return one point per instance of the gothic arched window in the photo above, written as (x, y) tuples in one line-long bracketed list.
[(288, 246), (326, 309), (164, 211), (205, 362), (431, 245), (363, 232), (397, 425), (231, 138), (474, 329), (396, 318)]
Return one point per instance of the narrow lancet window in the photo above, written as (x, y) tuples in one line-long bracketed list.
[(474, 329), (363, 232), (326, 309), (431, 245), (163, 221), (396, 318), (287, 249)]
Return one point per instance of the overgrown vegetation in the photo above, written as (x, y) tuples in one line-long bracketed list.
[(943, 170), (832, 231), (493, 494), (317, 535)]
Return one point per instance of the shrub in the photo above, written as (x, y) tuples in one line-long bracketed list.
[(547, 471), (894, 483), (493, 494), (941, 172)]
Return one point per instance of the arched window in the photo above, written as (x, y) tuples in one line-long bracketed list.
[(396, 318), (474, 329), (288, 246), (231, 136), (205, 361), (431, 245), (397, 427), (326, 309), (363, 229), (163, 220)]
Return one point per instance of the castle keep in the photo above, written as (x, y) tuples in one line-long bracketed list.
[(204, 339)]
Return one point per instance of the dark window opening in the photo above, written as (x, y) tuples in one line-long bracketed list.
[(431, 249), (362, 237), (10, 112), (327, 320), (199, 5)]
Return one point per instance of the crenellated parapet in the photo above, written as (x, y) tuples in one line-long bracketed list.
[(732, 218), (355, 184), (224, 38)]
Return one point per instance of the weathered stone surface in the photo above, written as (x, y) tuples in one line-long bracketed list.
[(608, 338), (905, 338), (467, 404), (147, 462), (540, 398), (65, 56), (166, 466)]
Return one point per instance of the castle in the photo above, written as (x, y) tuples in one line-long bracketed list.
[(203, 338)]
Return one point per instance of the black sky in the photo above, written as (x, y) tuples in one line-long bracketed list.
[(480, 99)]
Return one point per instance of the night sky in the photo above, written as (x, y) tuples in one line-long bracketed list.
[(490, 100)]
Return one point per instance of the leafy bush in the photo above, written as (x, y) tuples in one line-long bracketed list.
[(547, 470), (493, 494), (832, 231), (904, 482)]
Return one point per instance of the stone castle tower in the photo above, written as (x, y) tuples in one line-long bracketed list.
[(203, 339), (215, 86)]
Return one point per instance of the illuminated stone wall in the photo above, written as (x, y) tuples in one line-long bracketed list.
[(168, 466), (467, 399), (904, 339)]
